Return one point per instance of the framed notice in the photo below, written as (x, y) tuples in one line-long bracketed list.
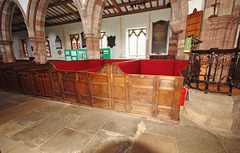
[(159, 37), (68, 58), (74, 53)]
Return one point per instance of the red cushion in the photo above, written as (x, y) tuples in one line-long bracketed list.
[(157, 67)]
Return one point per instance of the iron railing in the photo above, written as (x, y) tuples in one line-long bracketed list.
[(213, 70)]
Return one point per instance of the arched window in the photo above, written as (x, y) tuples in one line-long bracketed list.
[(75, 41), (103, 40), (137, 42), (24, 47), (48, 50)]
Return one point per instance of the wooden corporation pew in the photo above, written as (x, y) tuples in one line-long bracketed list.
[(150, 88)]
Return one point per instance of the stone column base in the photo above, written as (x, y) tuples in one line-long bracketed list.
[(220, 112)]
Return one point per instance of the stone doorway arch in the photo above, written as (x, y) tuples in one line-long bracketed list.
[(6, 14)]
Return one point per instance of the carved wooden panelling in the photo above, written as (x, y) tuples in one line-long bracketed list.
[(2, 81), (146, 95), (84, 88), (116, 70), (100, 91), (99, 78), (104, 69), (101, 103), (141, 95), (119, 106), (119, 80), (70, 97), (119, 93), (68, 86), (83, 76)]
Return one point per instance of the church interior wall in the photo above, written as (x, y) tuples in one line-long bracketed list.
[(20, 36), (198, 4), (110, 25)]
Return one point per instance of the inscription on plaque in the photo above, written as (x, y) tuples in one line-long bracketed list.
[(159, 37)]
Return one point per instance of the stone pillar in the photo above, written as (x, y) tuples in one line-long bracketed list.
[(223, 31), (39, 50), (92, 43), (173, 44), (178, 25), (7, 51)]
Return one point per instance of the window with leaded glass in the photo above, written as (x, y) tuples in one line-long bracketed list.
[(48, 50), (103, 40), (75, 41), (137, 42), (24, 47)]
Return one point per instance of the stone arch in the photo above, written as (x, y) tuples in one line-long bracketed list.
[(91, 15), (36, 13), (6, 8), (31, 14)]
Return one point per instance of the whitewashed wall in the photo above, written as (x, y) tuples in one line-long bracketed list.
[(113, 26), (24, 4), (198, 4), (64, 32)]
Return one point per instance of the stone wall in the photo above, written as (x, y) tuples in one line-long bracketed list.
[(219, 29)]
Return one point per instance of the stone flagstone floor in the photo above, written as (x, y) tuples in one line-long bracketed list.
[(33, 125)]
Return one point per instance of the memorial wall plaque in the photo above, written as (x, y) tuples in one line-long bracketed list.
[(159, 37)]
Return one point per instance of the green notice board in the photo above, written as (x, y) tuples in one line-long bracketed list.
[(70, 54), (75, 54), (81, 54), (105, 53)]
